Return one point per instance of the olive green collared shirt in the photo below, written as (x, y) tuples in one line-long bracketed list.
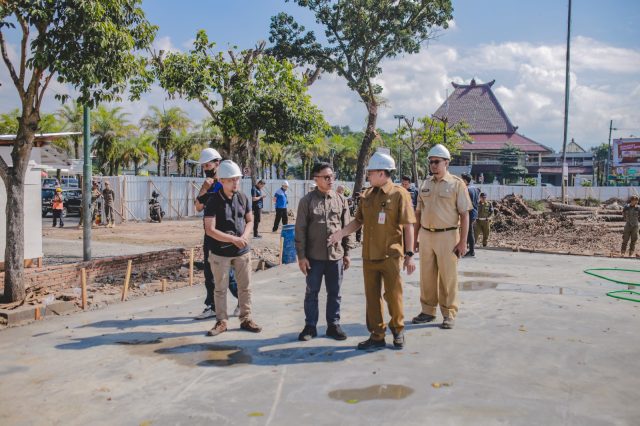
[(319, 216), (382, 212)]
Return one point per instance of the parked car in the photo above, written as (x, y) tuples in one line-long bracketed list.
[(70, 182), (72, 201), (50, 183)]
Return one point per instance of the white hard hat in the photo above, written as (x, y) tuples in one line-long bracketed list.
[(285, 183), (228, 169), (209, 154), (381, 160), (439, 150)]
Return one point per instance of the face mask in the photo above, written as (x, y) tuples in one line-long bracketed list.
[(210, 173)]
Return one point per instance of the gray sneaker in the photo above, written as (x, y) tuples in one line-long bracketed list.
[(207, 313), (448, 323)]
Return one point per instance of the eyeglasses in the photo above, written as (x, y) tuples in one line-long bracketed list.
[(436, 162), (327, 178)]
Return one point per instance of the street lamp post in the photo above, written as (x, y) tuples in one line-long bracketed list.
[(610, 154), (399, 117)]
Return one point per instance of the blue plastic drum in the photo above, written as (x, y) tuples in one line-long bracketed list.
[(289, 244)]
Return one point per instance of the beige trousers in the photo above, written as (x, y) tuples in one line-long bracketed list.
[(220, 268), (438, 272)]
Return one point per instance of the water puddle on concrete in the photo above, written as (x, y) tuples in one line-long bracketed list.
[(476, 285), (377, 392), (484, 274), (184, 352)]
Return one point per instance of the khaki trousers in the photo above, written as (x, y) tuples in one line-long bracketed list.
[(377, 272), (438, 272), (630, 234), (220, 267), (482, 227)]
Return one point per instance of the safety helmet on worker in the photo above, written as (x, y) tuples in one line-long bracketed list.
[(439, 150), (58, 189), (228, 169), (209, 154), (285, 183), (381, 160)]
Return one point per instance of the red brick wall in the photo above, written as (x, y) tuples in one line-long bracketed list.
[(68, 275)]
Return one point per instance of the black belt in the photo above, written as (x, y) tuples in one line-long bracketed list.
[(439, 229)]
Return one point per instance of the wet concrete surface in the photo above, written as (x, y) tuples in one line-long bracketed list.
[(536, 341)]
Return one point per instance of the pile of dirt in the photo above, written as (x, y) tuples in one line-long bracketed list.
[(513, 206)]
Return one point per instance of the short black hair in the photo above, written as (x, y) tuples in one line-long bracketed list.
[(466, 177), (259, 182), (405, 177), (482, 194), (318, 167)]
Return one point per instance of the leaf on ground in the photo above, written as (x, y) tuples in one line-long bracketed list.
[(352, 401), (255, 414)]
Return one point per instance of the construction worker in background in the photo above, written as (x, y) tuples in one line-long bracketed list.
[(387, 216), (321, 212), (281, 201), (483, 223), (474, 195), (443, 211), (210, 159), (228, 223), (630, 213), (340, 190), (95, 202), (57, 205), (257, 204), (406, 184), (109, 196)]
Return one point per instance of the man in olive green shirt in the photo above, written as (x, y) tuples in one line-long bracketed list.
[(322, 212), (630, 214)]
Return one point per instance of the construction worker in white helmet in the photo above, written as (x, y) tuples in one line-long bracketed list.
[(210, 159), (443, 211), (228, 222), (386, 213)]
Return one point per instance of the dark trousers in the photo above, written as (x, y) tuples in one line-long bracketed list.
[(209, 283), (471, 238), (257, 213), (280, 214), (331, 270), (57, 214)]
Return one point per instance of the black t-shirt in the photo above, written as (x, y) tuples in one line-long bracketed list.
[(230, 218), (255, 192)]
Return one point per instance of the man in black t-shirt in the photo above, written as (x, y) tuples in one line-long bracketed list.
[(256, 201), (227, 223)]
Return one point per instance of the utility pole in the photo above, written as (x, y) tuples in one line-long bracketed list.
[(399, 117), (610, 154), (86, 193), (565, 167)]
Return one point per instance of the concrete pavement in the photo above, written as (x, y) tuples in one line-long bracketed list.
[(536, 342)]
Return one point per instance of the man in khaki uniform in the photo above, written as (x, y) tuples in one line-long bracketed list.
[(443, 209), (630, 213), (483, 223), (385, 211)]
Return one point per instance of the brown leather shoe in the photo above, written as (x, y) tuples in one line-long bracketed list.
[(251, 326), (219, 328)]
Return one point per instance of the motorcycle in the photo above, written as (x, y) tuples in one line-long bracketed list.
[(155, 209)]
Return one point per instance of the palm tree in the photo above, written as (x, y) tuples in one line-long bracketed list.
[(138, 150), (109, 127), (165, 122), (72, 118)]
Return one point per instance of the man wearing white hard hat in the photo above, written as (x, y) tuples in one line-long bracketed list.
[(386, 213), (228, 224), (281, 201), (443, 211), (210, 159)]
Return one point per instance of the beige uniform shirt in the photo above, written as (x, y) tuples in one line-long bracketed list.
[(441, 203), (320, 215), (383, 212)]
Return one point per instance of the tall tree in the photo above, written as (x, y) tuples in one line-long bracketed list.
[(138, 150), (166, 122), (109, 127), (601, 154), (72, 118), (512, 163), (87, 44), (359, 35)]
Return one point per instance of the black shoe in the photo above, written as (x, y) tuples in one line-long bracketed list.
[(335, 331), (257, 236), (470, 254), (371, 344), (398, 340), (423, 318), (307, 333)]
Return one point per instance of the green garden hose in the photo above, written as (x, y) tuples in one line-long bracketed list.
[(618, 294)]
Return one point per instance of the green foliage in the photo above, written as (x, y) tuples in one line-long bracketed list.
[(512, 160), (586, 183), (138, 150), (109, 128), (72, 118), (530, 181), (536, 205), (9, 122), (165, 123)]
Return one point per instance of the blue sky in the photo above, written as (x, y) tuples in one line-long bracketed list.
[(520, 44)]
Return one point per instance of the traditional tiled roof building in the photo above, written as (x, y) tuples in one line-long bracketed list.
[(490, 130)]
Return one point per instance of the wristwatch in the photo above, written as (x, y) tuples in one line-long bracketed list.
[(408, 253)]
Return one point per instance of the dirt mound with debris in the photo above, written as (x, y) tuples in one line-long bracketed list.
[(513, 206)]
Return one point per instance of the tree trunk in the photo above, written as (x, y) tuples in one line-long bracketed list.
[(414, 166), (253, 156), (14, 177), (365, 148), (135, 168)]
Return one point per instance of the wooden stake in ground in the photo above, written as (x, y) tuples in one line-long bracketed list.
[(164, 285), (125, 289), (83, 276), (191, 268), (281, 248)]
